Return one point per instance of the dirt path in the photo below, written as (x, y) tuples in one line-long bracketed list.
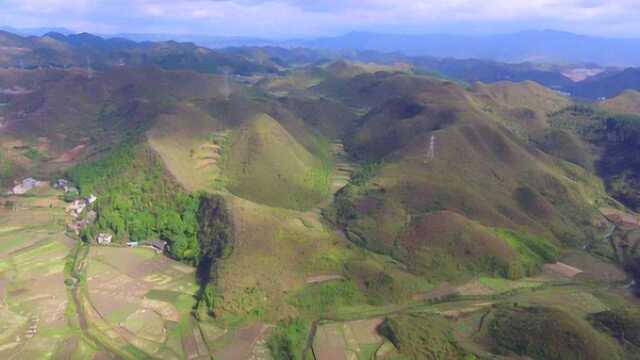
[(323, 278)]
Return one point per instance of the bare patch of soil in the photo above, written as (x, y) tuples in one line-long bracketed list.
[(563, 269), (70, 155), (244, 343), (323, 278)]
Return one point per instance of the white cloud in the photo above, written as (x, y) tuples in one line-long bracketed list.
[(320, 17)]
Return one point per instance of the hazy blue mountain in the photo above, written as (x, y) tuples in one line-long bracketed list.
[(607, 86), (61, 51), (202, 40), (536, 46), (39, 31), (546, 46)]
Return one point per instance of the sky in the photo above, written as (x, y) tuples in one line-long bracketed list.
[(313, 18)]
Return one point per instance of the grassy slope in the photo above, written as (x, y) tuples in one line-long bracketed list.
[(546, 333), (328, 117), (623, 324), (521, 107), (626, 103), (426, 211), (481, 177), (183, 141), (63, 109), (608, 136), (274, 250), (480, 170), (423, 336), (267, 165)]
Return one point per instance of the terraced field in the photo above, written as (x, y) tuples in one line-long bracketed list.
[(37, 318), (62, 299)]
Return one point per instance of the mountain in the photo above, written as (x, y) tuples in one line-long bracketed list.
[(213, 42), (261, 202), (607, 85), (546, 46), (538, 46), (87, 50), (628, 102), (36, 31), (472, 70)]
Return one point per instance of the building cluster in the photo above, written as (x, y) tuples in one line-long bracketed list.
[(82, 218), (65, 186), (76, 207), (24, 186)]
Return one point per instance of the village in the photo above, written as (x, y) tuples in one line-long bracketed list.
[(82, 212)]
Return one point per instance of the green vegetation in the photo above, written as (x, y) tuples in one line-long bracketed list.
[(443, 214), (215, 238), (621, 324), (137, 201), (288, 339), (268, 165), (6, 169), (615, 134), (32, 153), (550, 334), (533, 251), (503, 285), (423, 336), (326, 298), (379, 286)]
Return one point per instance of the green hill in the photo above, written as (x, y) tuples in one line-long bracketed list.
[(475, 168), (267, 165), (545, 333), (627, 102), (457, 198)]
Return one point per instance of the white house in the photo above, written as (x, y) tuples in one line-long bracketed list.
[(104, 238)]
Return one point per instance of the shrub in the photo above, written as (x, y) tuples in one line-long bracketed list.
[(423, 336), (288, 339), (622, 324)]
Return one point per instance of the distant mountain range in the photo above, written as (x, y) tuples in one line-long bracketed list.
[(547, 46), (36, 31), (86, 50), (607, 86), (81, 50), (534, 46), (527, 46)]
